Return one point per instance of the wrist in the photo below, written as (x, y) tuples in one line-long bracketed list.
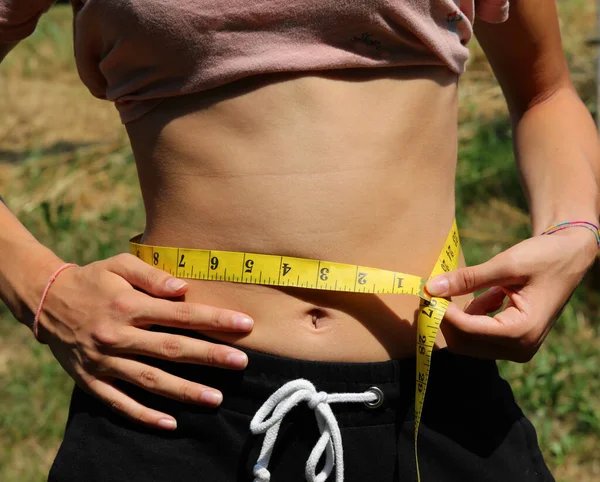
[(540, 223), (24, 274), (581, 239)]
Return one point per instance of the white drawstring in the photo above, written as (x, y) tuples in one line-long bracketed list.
[(330, 441)]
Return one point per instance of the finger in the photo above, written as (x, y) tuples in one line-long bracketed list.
[(500, 270), (181, 314), (141, 275), (508, 335), (511, 323), (461, 344), (468, 343), (162, 383), (487, 302), (128, 407), (180, 349)]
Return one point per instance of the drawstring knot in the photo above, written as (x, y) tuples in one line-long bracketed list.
[(317, 398), (330, 441)]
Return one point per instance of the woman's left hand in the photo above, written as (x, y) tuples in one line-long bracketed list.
[(537, 275)]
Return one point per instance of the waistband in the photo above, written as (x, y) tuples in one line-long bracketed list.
[(244, 391)]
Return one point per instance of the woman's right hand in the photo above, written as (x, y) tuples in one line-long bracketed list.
[(94, 320)]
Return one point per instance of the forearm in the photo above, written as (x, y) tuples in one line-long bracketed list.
[(25, 266), (558, 157)]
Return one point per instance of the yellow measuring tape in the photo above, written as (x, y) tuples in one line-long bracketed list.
[(273, 270)]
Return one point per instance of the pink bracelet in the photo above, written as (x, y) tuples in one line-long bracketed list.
[(44, 294)]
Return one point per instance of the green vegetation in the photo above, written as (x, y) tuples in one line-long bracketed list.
[(74, 185)]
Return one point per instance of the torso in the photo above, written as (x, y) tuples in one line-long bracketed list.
[(355, 166)]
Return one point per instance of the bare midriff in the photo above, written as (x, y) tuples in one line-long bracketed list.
[(354, 166)]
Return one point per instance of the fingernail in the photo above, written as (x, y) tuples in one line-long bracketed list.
[(175, 284), (239, 360), (212, 398), (437, 286), (167, 423), (242, 322), (495, 289)]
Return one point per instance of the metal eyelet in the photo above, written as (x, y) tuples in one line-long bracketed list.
[(379, 401)]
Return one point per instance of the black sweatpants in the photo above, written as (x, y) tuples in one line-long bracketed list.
[(471, 430)]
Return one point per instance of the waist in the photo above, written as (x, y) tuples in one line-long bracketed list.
[(328, 325)]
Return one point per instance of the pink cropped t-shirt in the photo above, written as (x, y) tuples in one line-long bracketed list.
[(136, 53)]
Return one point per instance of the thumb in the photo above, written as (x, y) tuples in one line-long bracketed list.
[(499, 270)]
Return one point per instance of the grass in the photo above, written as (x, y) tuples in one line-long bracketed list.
[(74, 185)]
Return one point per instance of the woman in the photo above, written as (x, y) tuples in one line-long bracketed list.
[(318, 130)]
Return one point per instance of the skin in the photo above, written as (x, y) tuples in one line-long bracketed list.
[(354, 166)]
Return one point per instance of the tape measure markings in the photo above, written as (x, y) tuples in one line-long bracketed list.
[(315, 274)]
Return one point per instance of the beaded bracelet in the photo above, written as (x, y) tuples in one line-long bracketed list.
[(570, 224), (34, 328)]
